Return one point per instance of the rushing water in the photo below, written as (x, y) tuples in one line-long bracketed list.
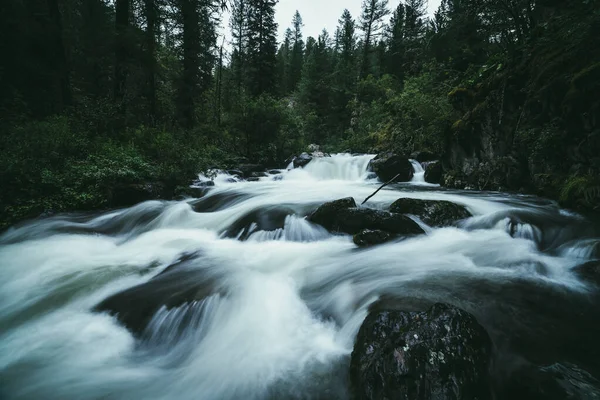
[(275, 302)]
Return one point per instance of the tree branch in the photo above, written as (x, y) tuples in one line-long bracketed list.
[(380, 187)]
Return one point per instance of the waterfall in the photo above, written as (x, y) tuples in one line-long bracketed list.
[(344, 167), (418, 173)]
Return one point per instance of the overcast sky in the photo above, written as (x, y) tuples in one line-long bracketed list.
[(319, 14)]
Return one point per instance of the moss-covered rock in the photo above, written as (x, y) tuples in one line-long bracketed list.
[(436, 213)]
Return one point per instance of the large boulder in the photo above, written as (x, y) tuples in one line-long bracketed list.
[(424, 156), (302, 160), (368, 237), (589, 272), (433, 172), (435, 213), (388, 165), (248, 169), (183, 282), (441, 354), (344, 217)]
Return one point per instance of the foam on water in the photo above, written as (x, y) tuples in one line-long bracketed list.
[(293, 300)]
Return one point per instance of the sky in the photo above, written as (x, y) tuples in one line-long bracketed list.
[(319, 14)]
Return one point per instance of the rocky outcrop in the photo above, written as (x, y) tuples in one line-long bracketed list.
[(435, 213), (178, 284), (248, 169), (302, 160), (424, 156), (433, 172), (388, 165), (440, 354), (368, 237), (589, 272), (343, 216)]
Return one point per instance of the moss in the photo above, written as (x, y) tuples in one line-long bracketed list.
[(587, 78), (458, 125)]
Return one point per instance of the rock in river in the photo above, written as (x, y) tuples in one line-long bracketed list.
[(369, 237), (435, 213), (440, 354), (345, 217), (433, 172), (388, 165)]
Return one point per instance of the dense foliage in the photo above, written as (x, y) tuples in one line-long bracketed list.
[(98, 93)]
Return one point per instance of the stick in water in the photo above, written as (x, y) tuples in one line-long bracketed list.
[(380, 187)]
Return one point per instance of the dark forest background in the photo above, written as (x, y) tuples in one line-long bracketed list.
[(96, 95)]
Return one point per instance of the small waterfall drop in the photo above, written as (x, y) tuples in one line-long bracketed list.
[(342, 167), (418, 172)]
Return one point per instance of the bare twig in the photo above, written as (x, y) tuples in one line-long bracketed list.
[(380, 187)]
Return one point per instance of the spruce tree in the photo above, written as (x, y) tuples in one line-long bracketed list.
[(262, 47), (371, 23), (297, 55)]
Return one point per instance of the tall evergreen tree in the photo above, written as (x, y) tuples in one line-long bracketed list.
[(239, 32), (283, 64), (151, 11), (262, 47), (122, 19), (344, 78), (371, 23), (297, 56)]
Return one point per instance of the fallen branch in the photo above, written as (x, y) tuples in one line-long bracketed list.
[(380, 187)]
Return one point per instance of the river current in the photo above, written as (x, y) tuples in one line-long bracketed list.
[(276, 301)]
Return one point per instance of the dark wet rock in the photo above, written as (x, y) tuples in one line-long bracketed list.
[(302, 160), (253, 179), (235, 172), (124, 195), (344, 217), (258, 174), (388, 165), (180, 283), (434, 213), (203, 184), (288, 160), (248, 169), (190, 191), (313, 147), (553, 382), (424, 156), (368, 237), (278, 178), (434, 172), (589, 272), (268, 218), (440, 354), (274, 171)]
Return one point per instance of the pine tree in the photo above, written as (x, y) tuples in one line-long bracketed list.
[(297, 55), (344, 77), (371, 23), (122, 17), (396, 44), (239, 32), (262, 47), (314, 91), (151, 11), (283, 64)]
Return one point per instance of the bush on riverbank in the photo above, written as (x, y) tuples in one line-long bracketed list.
[(49, 166)]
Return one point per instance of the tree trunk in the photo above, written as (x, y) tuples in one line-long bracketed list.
[(121, 30), (191, 49), (64, 83), (151, 20)]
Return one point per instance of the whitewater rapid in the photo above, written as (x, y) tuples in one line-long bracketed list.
[(282, 298)]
